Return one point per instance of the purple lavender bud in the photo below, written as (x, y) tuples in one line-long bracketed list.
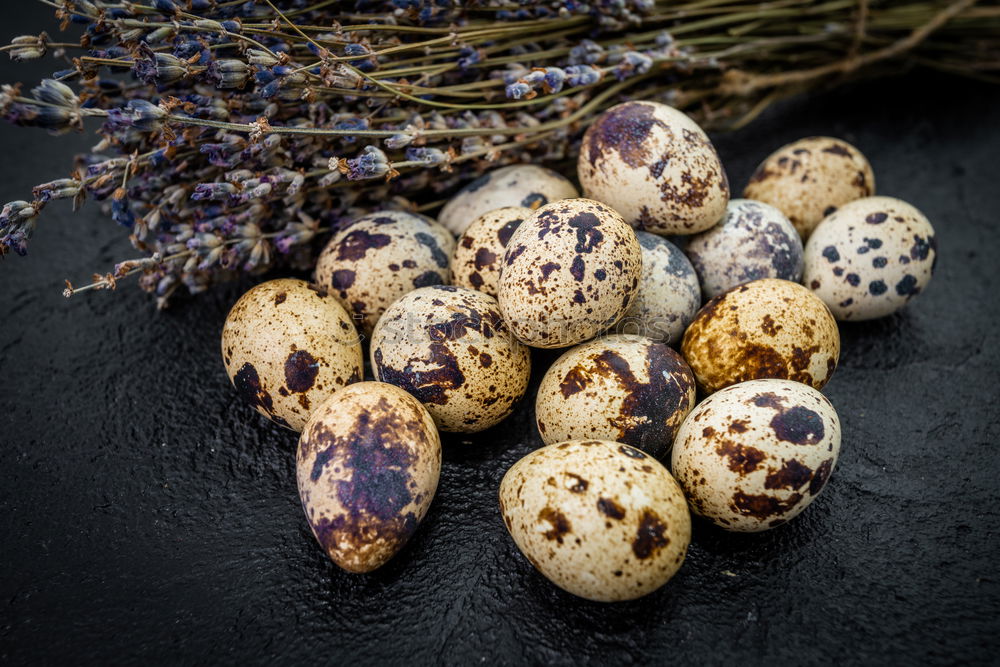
[(229, 73), (582, 75), (64, 188), (555, 77), (518, 90), (55, 92), (398, 141), (370, 164), (28, 47), (120, 210), (213, 191)]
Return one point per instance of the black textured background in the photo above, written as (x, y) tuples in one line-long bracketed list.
[(146, 514)]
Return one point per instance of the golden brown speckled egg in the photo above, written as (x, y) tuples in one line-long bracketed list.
[(767, 328), (449, 347), (810, 178), (377, 258), (599, 519), (287, 345), (625, 388), (367, 468), (479, 252), (754, 455), (870, 258), (655, 166), (524, 185), (753, 240), (669, 294), (570, 271)]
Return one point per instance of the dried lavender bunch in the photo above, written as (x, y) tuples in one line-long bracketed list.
[(234, 134)]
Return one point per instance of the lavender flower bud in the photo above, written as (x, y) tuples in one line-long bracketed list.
[(229, 73), (519, 90), (370, 164), (582, 75), (213, 191), (28, 47)]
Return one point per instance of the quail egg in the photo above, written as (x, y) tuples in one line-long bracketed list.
[(367, 468), (754, 455), (668, 295), (754, 240), (810, 178), (599, 519), (377, 258), (450, 348), (523, 185), (870, 257), (767, 328), (655, 166), (479, 252), (287, 345), (570, 271), (625, 388)]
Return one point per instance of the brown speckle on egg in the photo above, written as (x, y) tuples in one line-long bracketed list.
[(478, 254)]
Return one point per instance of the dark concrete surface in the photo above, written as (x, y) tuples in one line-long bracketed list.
[(147, 515)]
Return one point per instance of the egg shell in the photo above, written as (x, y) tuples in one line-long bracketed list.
[(754, 455), (870, 257), (522, 185), (767, 328), (753, 240), (570, 271), (810, 178), (599, 519), (367, 468), (668, 296), (655, 166), (450, 348), (375, 259), (629, 389), (479, 252), (288, 345)]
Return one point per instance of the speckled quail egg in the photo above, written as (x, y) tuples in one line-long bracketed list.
[(655, 166), (367, 467), (668, 295), (570, 271), (287, 345), (479, 252), (752, 241), (599, 519), (377, 258), (767, 328), (449, 347), (810, 178), (625, 388), (524, 185), (754, 455), (870, 258)]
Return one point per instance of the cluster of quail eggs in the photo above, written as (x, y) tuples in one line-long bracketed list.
[(738, 308)]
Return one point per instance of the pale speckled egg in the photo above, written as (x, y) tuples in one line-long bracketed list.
[(524, 185), (655, 166), (669, 294), (479, 252), (754, 455), (753, 240), (810, 178), (767, 328), (570, 271), (629, 389), (599, 519), (377, 258), (870, 258), (367, 468), (287, 345), (449, 347)]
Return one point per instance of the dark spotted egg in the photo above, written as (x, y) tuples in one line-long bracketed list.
[(655, 166), (669, 295), (629, 389), (367, 468), (599, 519), (287, 345), (809, 178), (767, 328), (479, 252), (870, 257), (377, 258), (570, 271), (753, 240), (449, 347), (523, 185), (754, 455)]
